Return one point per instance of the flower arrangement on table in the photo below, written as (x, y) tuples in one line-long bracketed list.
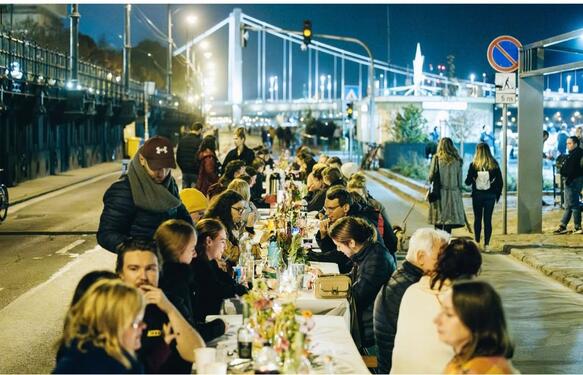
[(277, 320)]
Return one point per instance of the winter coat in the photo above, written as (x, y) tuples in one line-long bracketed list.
[(214, 286), (449, 209), (386, 311), (177, 282), (92, 360), (186, 153), (496, 182), (208, 173), (121, 218), (373, 266), (247, 156), (572, 167)]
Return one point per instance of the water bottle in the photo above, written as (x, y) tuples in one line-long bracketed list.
[(273, 251)]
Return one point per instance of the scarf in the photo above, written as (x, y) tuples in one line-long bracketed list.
[(147, 194)]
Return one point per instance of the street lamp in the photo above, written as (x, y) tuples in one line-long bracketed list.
[(483, 77), (322, 83), (472, 77), (329, 87)]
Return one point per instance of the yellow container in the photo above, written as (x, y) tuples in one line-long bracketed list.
[(133, 145)]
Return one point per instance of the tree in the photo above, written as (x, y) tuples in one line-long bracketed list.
[(409, 126), (461, 124)]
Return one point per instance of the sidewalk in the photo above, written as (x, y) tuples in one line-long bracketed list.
[(34, 188), (557, 256)]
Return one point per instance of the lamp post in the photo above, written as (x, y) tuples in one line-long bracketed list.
[(271, 86), (568, 83), (276, 88), (322, 86), (329, 87)]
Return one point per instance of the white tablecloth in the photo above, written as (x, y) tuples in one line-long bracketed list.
[(329, 337), (326, 267)]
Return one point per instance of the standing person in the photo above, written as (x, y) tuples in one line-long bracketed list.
[(102, 331), (424, 248), (434, 135), (215, 283), (137, 203), (373, 267), (209, 164), (562, 140), (486, 180), (186, 155), (572, 172), (176, 240), (448, 211), (138, 264), (241, 151), (579, 134), (472, 322)]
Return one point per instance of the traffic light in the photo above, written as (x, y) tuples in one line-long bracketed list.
[(307, 32), (349, 110)]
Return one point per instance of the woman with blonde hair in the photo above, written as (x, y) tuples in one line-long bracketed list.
[(103, 331), (486, 180), (447, 211)]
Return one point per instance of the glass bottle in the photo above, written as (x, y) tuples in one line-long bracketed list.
[(245, 335)]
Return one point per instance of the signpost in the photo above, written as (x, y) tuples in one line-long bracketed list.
[(502, 55)]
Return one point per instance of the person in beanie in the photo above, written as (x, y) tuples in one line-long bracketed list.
[(186, 155), (137, 203), (195, 202)]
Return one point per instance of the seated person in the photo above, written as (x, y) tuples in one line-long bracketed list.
[(102, 331), (176, 241), (168, 342), (425, 246), (357, 239), (195, 202), (88, 280), (331, 177), (215, 284), (233, 170), (416, 336), (250, 214), (472, 322)]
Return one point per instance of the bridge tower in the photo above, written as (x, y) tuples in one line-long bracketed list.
[(235, 74)]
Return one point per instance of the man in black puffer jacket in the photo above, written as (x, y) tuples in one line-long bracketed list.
[(424, 249), (136, 204), (186, 156)]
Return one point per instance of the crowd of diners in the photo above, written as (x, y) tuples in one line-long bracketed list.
[(176, 251)]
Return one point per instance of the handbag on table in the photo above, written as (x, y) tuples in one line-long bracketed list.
[(332, 286)]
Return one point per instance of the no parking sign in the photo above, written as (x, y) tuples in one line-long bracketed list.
[(503, 54)]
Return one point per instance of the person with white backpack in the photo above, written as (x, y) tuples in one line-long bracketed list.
[(486, 180)]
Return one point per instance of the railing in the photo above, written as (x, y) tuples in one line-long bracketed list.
[(26, 61)]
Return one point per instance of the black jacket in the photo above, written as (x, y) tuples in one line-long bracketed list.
[(178, 284), (386, 311), (572, 167), (496, 183), (93, 360), (121, 219), (247, 156), (214, 285), (373, 266), (186, 154)]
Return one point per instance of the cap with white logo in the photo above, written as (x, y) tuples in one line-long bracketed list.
[(159, 153)]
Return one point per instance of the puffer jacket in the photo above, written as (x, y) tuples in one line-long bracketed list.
[(373, 266), (386, 311), (571, 168), (186, 153), (121, 219)]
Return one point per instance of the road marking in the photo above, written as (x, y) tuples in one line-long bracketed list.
[(71, 246)]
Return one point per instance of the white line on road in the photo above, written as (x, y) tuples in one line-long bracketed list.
[(71, 246)]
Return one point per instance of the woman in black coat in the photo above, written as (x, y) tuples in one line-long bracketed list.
[(176, 240), (373, 266), (214, 283)]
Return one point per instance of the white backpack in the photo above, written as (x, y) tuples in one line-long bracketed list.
[(483, 180)]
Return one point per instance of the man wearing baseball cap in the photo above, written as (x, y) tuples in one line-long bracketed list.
[(137, 203)]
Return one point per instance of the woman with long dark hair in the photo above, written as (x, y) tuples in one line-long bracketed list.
[(472, 322), (486, 180), (357, 239), (447, 212), (228, 207), (208, 162), (215, 284)]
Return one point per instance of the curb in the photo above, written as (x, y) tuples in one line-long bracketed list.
[(52, 190)]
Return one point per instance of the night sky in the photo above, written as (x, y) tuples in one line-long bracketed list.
[(462, 30)]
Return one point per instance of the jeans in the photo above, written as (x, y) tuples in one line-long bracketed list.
[(188, 180), (572, 204), (483, 205)]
